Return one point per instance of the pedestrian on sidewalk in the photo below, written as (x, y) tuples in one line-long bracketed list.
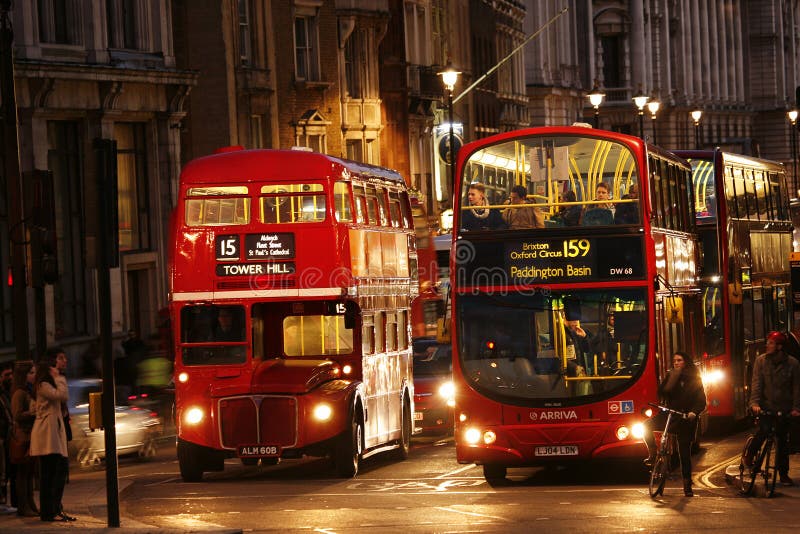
[(8, 497), (49, 440), (775, 388), (23, 408)]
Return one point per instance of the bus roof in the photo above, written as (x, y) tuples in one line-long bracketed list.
[(259, 164)]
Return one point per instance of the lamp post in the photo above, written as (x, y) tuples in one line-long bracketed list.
[(793, 121), (696, 115), (595, 99), (640, 100), (653, 107), (450, 78)]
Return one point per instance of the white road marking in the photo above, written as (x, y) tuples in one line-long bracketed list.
[(704, 478), (457, 471), (474, 514)]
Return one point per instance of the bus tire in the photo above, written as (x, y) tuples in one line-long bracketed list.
[(347, 455), (405, 430), (494, 472), (190, 461)]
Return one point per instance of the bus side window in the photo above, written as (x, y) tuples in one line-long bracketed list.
[(341, 202), (380, 332), (402, 330), (391, 332), (359, 198), (367, 335), (383, 209), (372, 205), (395, 214), (405, 207)]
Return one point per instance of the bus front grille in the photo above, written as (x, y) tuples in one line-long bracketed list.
[(258, 420)]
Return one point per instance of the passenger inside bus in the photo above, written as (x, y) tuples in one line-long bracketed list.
[(226, 328), (628, 212), (478, 217), (600, 214), (524, 217), (569, 215)]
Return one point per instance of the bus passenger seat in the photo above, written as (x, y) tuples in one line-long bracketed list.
[(598, 217)]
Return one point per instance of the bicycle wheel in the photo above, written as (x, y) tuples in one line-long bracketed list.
[(658, 475), (770, 468), (747, 473)]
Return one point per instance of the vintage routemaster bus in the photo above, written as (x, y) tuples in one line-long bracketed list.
[(426, 309), (561, 331), (744, 222), (292, 275)]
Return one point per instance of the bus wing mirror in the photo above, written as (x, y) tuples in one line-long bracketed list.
[(673, 306), (442, 331)]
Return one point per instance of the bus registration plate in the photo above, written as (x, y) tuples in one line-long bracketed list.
[(258, 451), (418, 416), (557, 450)]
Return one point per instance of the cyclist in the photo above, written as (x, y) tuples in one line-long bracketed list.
[(776, 388), (682, 390)]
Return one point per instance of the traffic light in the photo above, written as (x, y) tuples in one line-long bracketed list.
[(40, 215)]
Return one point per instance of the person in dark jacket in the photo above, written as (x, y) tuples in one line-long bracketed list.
[(681, 390), (775, 387), (477, 217)]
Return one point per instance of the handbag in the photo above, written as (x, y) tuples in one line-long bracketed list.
[(18, 450)]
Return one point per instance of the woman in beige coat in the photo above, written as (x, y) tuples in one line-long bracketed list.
[(23, 408), (49, 441)]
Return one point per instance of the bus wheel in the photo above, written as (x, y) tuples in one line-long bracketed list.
[(190, 457), (492, 472), (347, 455), (405, 431)]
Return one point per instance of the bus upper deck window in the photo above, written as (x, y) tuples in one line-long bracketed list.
[(205, 207), (395, 212), (292, 203), (359, 198), (341, 199), (372, 205), (383, 209)]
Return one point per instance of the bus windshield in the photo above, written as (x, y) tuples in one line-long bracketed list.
[(554, 345), (542, 181), (206, 328)]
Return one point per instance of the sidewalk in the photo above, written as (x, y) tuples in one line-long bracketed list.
[(732, 478), (86, 500)]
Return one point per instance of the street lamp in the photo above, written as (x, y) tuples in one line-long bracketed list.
[(450, 78), (595, 99), (640, 100), (653, 107), (793, 120), (696, 114)]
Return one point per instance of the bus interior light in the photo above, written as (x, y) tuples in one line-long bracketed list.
[(322, 412), (623, 433), (472, 436), (193, 416)]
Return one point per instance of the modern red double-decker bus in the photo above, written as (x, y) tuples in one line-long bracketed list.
[(292, 275), (744, 223), (561, 332)]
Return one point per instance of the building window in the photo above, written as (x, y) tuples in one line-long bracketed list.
[(132, 193), (306, 55), (355, 150), (70, 291), (244, 32), (121, 18), (57, 22), (613, 61)]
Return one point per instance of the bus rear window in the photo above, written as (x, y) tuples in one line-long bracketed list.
[(292, 203), (316, 335)]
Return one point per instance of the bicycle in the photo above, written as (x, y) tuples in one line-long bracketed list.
[(762, 461), (662, 464)]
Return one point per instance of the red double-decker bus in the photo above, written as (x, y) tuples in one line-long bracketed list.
[(744, 223), (292, 275), (427, 307), (561, 331)]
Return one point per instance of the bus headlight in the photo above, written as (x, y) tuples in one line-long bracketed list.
[(637, 430), (712, 377), (623, 432), (472, 436), (193, 416), (183, 377), (322, 412), (489, 437), (347, 369), (447, 390)]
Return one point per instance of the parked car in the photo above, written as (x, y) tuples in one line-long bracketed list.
[(137, 429), (434, 393)]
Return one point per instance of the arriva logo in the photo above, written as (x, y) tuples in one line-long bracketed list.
[(564, 415)]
